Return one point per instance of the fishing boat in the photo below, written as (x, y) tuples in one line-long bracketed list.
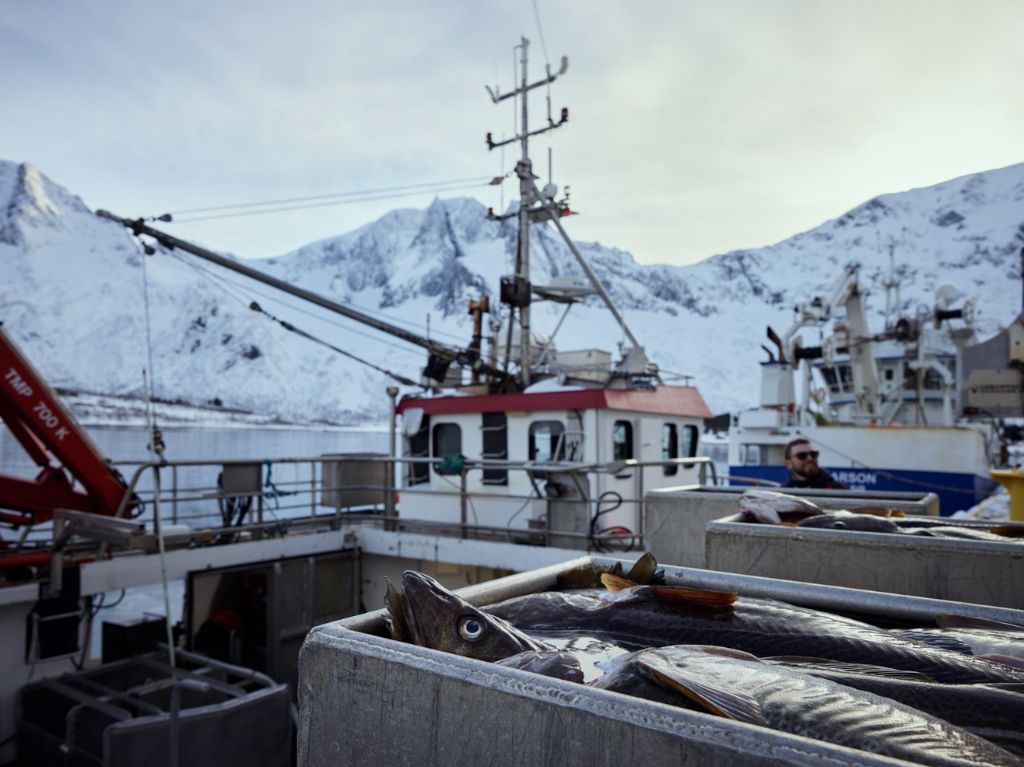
[(517, 456), (513, 456), (900, 409)]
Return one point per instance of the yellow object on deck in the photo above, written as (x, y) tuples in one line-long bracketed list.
[(1013, 481)]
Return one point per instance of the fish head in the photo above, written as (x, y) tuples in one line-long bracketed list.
[(434, 617)]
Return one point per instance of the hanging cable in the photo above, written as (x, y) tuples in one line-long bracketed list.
[(540, 33), (289, 327), (238, 214), (244, 300), (156, 449), (284, 200), (292, 328)]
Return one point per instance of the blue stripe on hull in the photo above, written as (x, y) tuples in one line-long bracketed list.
[(955, 491)]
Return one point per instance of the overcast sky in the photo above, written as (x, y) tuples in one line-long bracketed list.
[(697, 127)]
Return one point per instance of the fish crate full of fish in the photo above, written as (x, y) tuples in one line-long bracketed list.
[(675, 519), (778, 535), (578, 664)]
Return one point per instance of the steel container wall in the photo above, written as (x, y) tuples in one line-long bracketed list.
[(961, 570), (365, 700), (675, 518)]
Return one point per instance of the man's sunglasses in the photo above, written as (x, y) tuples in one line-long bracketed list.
[(803, 454)]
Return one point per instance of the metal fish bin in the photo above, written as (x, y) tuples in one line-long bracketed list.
[(675, 518), (366, 700), (961, 570)]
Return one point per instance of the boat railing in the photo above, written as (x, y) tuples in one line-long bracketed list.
[(214, 501)]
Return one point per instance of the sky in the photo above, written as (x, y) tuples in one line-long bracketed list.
[(696, 126)]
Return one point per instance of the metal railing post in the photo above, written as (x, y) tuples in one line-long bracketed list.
[(463, 499)]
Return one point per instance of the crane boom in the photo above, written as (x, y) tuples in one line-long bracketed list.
[(468, 358), (50, 435)]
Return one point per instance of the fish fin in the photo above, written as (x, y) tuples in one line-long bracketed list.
[(583, 577), (952, 621), (394, 617), (804, 663), (614, 582), (670, 593), (643, 569), (1008, 531), (1004, 660), (693, 596), (725, 652), (731, 704), (880, 511)]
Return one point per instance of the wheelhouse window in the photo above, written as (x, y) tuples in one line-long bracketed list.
[(669, 447), (419, 447), (622, 441), (494, 428), (447, 443), (762, 455), (690, 439), (547, 441)]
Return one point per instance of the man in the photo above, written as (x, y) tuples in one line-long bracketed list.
[(802, 462)]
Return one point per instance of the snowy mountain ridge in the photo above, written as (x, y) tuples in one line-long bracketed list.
[(76, 288)]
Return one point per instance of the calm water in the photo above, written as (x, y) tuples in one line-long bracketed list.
[(128, 443)]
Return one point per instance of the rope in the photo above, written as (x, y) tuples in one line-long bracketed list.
[(270, 490), (156, 449)]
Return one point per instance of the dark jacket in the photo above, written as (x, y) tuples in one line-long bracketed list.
[(823, 481)]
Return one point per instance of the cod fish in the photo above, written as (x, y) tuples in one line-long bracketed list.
[(952, 531), (992, 711), (771, 508), (758, 626), (848, 520), (989, 639), (427, 614), (738, 686)]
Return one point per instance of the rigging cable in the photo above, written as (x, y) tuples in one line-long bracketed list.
[(242, 299), (298, 331), (155, 448), (249, 304), (239, 214), (282, 201), (292, 328)]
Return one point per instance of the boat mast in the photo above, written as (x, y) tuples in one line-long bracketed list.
[(524, 170), (520, 292)]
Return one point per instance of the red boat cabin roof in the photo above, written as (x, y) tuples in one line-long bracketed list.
[(664, 400)]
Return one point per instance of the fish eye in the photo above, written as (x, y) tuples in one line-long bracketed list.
[(470, 629)]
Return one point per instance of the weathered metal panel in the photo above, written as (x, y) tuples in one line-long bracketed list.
[(675, 519), (961, 570), (367, 700)]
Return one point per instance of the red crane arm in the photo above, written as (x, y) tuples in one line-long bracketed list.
[(56, 442)]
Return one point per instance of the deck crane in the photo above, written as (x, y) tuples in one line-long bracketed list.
[(56, 443), (440, 358)]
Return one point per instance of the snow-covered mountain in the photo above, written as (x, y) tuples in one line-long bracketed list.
[(75, 291)]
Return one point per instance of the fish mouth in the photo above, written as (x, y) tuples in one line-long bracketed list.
[(425, 605)]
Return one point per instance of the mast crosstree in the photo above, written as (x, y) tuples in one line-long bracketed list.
[(537, 204)]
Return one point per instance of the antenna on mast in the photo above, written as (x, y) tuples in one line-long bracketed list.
[(516, 290)]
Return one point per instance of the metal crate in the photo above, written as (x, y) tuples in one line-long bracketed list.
[(410, 705)]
